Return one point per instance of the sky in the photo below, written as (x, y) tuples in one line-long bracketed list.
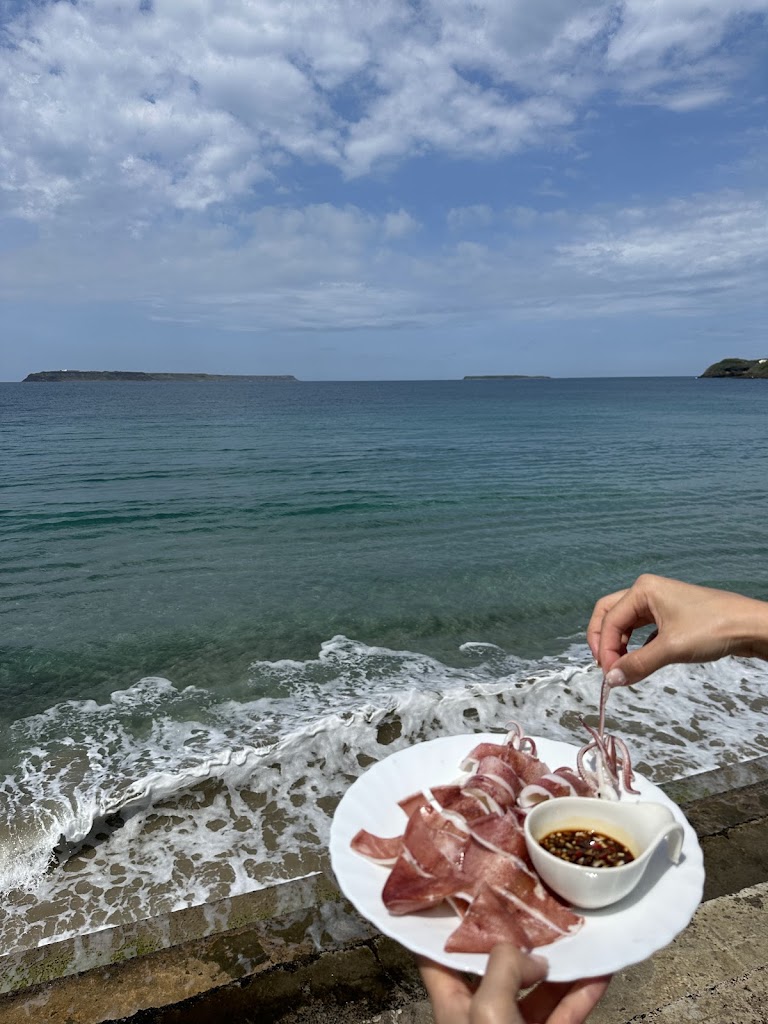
[(398, 189)]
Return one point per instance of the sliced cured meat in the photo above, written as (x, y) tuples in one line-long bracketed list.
[(562, 782), (488, 920), (464, 844), (527, 767), (441, 793), (502, 833), (379, 849), (497, 768), (433, 840), (492, 791), (409, 888)]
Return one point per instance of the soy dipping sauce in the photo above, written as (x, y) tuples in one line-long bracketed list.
[(587, 847)]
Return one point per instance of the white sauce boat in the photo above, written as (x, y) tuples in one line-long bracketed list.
[(642, 827)]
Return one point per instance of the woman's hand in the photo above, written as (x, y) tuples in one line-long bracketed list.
[(693, 624), (495, 1000)]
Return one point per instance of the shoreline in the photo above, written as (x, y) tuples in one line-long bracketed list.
[(298, 951)]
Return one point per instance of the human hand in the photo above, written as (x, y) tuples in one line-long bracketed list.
[(495, 999), (693, 624)]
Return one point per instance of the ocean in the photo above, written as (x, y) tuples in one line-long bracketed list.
[(221, 601)]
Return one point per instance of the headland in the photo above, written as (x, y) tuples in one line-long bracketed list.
[(746, 369), (48, 376)]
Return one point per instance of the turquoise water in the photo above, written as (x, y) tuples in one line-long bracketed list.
[(200, 578), (189, 529)]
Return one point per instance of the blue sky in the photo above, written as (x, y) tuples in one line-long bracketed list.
[(350, 189)]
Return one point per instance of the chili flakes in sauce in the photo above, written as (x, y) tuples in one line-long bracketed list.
[(587, 847)]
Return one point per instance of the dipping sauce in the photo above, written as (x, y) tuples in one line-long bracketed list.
[(586, 847)]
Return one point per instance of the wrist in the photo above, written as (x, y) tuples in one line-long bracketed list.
[(750, 638)]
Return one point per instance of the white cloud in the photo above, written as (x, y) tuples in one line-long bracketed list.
[(681, 240), (399, 224), (135, 147), (463, 217), (323, 268), (681, 29), (198, 101)]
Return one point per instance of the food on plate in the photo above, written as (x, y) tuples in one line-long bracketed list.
[(464, 844)]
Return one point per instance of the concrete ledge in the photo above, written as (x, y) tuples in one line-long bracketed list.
[(299, 951)]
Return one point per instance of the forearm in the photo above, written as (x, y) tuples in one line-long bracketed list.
[(747, 628)]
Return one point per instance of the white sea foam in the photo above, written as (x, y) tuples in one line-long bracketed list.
[(165, 798)]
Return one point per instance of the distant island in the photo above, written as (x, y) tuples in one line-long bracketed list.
[(748, 369), (505, 376), (45, 376)]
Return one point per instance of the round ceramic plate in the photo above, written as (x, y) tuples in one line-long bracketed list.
[(610, 939)]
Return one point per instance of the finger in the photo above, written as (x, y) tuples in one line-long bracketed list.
[(595, 625), (448, 991), (628, 614), (564, 1003), (508, 971)]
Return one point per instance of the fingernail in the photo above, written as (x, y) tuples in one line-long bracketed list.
[(616, 677)]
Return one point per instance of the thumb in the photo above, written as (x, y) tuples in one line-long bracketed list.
[(507, 972)]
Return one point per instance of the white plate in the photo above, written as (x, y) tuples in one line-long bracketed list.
[(610, 939)]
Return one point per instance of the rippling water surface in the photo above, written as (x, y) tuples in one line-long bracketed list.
[(220, 601)]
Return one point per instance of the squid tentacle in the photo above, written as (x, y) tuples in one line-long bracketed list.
[(517, 738), (612, 760)]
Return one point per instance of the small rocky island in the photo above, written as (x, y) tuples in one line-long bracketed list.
[(505, 376), (46, 376), (748, 369)]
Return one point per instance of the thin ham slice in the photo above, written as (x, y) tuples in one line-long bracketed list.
[(561, 782), (492, 791), (487, 922), (431, 838), (498, 914), (440, 793), (482, 866), (409, 888), (464, 844), (380, 849)]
